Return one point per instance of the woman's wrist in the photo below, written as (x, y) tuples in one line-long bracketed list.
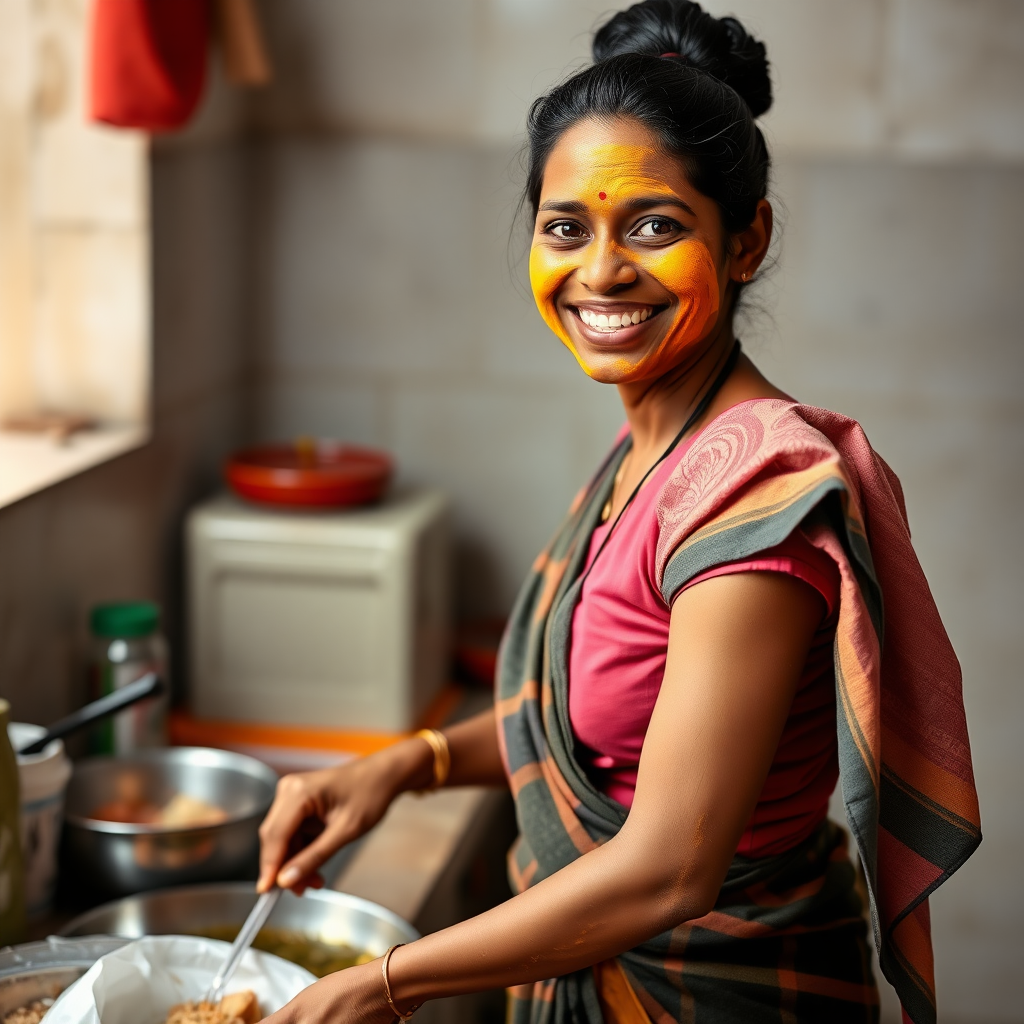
[(407, 765), (402, 987)]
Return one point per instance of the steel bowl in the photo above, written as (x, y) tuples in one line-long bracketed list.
[(42, 970), (321, 914), (128, 858)]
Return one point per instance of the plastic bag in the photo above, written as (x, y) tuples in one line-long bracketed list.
[(140, 982)]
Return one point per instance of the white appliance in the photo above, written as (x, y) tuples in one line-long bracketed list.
[(330, 619)]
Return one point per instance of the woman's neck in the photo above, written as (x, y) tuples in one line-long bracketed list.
[(658, 409)]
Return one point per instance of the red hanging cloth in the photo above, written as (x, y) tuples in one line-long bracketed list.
[(147, 61)]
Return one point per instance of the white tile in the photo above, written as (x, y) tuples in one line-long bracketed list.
[(826, 66), (905, 269), (526, 47), (369, 254), (955, 77), (391, 65)]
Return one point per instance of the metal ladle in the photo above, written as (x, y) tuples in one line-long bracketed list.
[(253, 923), (149, 685)]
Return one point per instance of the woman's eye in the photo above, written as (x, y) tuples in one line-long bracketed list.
[(567, 230), (656, 227)]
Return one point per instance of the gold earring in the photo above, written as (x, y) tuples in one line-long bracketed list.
[(744, 276)]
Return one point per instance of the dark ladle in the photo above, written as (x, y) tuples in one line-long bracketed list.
[(150, 685)]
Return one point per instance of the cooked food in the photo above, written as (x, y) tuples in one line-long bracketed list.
[(236, 1008), (319, 958), (185, 811), (31, 1014), (181, 811)]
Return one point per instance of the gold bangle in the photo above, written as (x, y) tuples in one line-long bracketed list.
[(442, 755), (387, 985)]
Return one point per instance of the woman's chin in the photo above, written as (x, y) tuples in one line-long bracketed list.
[(609, 370)]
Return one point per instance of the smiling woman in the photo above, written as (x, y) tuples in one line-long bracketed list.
[(696, 657)]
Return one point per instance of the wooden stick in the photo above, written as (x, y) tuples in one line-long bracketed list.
[(246, 61)]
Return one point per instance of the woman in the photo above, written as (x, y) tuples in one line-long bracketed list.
[(669, 681)]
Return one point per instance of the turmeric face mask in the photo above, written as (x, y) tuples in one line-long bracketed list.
[(621, 265)]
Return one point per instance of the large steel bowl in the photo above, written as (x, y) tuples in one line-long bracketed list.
[(321, 914), (42, 970), (128, 858)]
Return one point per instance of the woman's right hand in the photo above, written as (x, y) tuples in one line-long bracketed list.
[(333, 807)]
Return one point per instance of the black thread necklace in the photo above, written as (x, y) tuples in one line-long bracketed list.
[(699, 409)]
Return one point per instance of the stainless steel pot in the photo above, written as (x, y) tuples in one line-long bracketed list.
[(42, 970), (129, 858), (333, 917)]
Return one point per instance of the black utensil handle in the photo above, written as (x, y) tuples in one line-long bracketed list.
[(148, 686)]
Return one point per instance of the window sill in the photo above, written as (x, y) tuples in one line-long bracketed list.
[(29, 463)]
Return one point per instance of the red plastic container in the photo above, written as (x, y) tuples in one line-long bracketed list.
[(309, 473)]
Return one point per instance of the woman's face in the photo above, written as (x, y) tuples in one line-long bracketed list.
[(628, 259)]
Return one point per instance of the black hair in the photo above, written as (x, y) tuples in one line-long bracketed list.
[(700, 102)]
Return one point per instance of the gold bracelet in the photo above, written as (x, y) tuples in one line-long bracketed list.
[(442, 755), (387, 985)]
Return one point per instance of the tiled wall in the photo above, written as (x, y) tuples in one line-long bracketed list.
[(392, 306)]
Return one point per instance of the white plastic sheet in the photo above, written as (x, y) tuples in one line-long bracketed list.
[(140, 982)]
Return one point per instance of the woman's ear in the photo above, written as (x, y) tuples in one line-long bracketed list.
[(750, 245)]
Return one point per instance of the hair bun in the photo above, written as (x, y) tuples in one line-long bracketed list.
[(722, 47)]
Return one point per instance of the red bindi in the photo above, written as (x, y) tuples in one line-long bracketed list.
[(602, 195)]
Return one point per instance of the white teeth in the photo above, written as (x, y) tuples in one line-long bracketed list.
[(612, 321)]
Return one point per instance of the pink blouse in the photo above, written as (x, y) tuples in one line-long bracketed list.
[(617, 660)]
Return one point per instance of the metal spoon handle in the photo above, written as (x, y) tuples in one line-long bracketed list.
[(253, 923)]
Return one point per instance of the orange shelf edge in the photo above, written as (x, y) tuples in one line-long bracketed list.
[(187, 731)]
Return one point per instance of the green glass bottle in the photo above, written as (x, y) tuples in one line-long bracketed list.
[(12, 878)]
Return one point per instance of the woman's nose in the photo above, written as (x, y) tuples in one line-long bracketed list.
[(605, 267)]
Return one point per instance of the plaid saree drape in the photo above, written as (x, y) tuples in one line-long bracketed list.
[(785, 942)]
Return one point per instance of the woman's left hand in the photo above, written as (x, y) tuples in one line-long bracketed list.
[(352, 996)]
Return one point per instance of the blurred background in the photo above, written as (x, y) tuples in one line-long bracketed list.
[(333, 254)]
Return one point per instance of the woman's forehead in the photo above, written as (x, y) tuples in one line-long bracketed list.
[(614, 157)]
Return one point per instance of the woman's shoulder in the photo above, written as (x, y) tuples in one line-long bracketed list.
[(753, 473), (757, 437)]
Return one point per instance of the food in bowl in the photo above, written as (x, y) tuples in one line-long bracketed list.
[(32, 1013), (130, 807), (319, 958), (235, 1008)]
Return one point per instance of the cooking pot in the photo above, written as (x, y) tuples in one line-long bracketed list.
[(321, 914), (42, 970), (122, 858)]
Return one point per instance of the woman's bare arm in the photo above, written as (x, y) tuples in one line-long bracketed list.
[(737, 647)]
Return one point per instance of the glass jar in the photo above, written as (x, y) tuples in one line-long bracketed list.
[(127, 644)]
